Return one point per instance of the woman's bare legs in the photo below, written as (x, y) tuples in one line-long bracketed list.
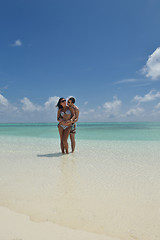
[(61, 137), (66, 133)]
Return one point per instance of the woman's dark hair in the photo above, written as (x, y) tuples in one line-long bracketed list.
[(72, 99), (59, 103)]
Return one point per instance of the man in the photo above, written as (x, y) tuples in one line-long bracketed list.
[(71, 103)]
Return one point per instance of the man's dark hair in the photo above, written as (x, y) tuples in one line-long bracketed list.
[(72, 99)]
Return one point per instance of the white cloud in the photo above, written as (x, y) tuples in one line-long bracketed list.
[(88, 112), (151, 96), (157, 106), (112, 108), (152, 67), (129, 80), (134, 112), (7, 110), (156, 111), (85, 103), (3, 101), (28, 106), (17, 43), (28, 111), (52, 101)]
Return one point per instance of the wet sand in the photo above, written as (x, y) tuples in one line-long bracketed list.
[(105, 189), (15, 226)]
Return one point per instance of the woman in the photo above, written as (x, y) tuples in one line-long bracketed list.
[(65, 117)]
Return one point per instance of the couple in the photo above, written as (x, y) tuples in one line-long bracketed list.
[(67, 117)]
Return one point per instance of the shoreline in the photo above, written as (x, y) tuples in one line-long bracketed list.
[(111, 194), (19, 226)]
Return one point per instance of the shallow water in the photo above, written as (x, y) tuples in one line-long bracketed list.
[(140, 131), (109, 187)]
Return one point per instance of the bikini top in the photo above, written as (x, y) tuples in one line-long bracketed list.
[(66, 112)]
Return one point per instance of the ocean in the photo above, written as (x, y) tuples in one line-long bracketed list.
[(110, 185), (137, 131)]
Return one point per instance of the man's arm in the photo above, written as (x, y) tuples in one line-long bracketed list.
[(70, 121), (76, 115), (73, 114)]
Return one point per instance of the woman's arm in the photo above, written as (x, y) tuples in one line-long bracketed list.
[(59, 119)]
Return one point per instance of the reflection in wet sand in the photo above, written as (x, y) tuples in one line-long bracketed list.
[(66, 192)]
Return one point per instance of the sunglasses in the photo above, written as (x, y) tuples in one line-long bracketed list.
[(63, 101), (69, 102)]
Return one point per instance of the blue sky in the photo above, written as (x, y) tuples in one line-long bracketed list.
[(105, 53)]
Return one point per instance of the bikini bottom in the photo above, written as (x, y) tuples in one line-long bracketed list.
[(63, 126)]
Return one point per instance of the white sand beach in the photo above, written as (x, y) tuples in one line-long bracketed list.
[(105, 190), (15, 226)]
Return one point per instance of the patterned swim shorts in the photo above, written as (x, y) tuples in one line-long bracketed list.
[(73, 128)]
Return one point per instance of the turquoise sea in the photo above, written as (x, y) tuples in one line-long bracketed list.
[(125, 131), (109, 186)]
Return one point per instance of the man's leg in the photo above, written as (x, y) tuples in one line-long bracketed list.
[(73, 142)]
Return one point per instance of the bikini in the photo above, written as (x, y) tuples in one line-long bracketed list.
[(62, 114)]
